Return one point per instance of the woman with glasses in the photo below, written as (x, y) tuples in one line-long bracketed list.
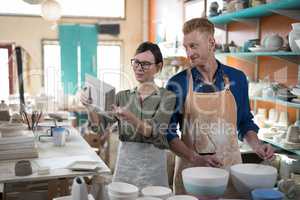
[(143, 114)]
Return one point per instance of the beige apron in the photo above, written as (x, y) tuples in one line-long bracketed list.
[(209, 127)]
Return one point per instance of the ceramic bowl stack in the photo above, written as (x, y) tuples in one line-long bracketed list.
[(122, 191), (205, 181), (182, 197), (247, 177), (12, 129), (157, 191)]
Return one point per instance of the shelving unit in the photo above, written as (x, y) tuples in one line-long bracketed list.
[(289, 8), (277, 101), (279, 7), (251, 56), (281, 146)]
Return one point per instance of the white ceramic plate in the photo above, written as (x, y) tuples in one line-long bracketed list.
[(148, 198), (84, 166)]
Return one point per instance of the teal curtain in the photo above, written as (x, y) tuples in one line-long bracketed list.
[(88, 46), (70, 38)]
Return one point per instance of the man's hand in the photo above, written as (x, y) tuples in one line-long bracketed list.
[(206, 160), (264, 151)]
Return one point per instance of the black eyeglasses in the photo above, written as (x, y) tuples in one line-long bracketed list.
[(145, 65)]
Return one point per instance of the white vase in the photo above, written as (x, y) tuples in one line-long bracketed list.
[(294, 35)]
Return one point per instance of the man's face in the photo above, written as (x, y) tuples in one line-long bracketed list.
[(199, 47)]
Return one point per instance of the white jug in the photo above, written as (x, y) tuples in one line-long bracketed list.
[(293, 36), (79, 189)]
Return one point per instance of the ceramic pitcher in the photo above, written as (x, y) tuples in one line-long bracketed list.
[(79, 189)]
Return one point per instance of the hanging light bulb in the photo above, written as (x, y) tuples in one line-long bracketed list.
[(51, 10)]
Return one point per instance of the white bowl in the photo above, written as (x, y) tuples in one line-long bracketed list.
[(182, 197), (205, 181), (122, 197), (123, 189), (247, 177), (148, 198), (157, 191)]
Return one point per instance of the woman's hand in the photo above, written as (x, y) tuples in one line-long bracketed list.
[(84, 99), (142, 127)]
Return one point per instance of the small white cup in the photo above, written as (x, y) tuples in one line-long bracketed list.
[(59, 135)]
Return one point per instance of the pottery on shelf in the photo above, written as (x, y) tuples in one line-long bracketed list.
[(293, 134), (293, 36), (273, 41)]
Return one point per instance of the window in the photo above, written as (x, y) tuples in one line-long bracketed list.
[(192, 9), (86, 8), (109, 63), (52, 72), (109, 66), (4, 74)]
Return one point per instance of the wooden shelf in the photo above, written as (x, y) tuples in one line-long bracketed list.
[(279, 7), (250, 56), (281, 146), (277, 101)]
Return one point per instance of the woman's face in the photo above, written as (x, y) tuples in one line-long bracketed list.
[(144, 67)]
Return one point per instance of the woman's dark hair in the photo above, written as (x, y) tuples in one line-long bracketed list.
[(154, 48)]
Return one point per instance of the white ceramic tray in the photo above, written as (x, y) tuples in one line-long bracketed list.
[(84, 166), (262, 49)]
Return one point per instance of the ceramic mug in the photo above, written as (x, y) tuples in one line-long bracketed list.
[(59, 135), (273, 115), (283, 118)]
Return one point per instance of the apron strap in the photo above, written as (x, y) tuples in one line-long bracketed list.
[(190, 78), (187, 107), (226, 81)]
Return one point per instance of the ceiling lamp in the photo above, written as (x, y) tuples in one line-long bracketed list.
[(34, 2), (51, 10)]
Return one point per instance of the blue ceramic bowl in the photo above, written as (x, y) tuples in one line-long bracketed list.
[(266, 194)]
